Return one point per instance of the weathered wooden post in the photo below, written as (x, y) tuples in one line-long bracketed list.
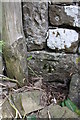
[(14, 50)]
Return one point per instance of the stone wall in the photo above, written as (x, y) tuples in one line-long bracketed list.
[(53, 42)]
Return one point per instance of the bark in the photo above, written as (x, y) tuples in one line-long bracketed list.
[(14, 50)]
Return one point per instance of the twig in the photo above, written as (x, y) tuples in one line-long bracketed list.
[(2, 77), (13, 106), (9, 111), (28, 88), (34, 88), (49, 115), (63, 114), (32, 71), (2, 102), (1, 84), (37, 78)]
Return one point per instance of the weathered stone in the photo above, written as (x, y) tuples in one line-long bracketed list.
[(63, 39), (6, 110), (79, 50), (25, 102), (28, 102), (35, 24), (14, 100), (78, 63), (74, 92), (59, 112), (63, 1), (31, 101), (50, 65), (56, 111), (68, 15), (54, 1)]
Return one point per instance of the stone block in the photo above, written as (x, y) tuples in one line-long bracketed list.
[(63, 39), (64, 1), (53, 67), (59, 112), (35, 24), (74, 92), (68, 15)]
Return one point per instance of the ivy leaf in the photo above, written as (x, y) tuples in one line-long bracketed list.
[(70, 105), (77, 60), (78, 111), (29, 58), (63, 104), (32, 117)]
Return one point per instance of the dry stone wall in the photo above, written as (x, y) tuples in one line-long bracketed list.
[(52, 31)]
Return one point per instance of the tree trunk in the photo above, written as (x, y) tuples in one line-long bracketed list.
[(14, 50), (0, 37)]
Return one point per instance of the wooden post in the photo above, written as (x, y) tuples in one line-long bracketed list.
[(14, 50)]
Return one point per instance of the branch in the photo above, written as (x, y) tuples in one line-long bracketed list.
[(4, 78)]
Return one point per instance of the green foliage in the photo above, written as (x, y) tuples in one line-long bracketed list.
[(77, 60), (68, 103), (63, 103), (29, 58), (32, 117), (78, 112)]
